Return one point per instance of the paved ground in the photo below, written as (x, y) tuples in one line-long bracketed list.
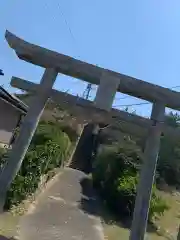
[(66, 210)]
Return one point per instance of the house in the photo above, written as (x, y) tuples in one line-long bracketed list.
[(11, 112)]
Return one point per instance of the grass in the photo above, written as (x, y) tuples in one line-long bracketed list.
[(8, 224), (167, 225), (9, 220), (115, 232)]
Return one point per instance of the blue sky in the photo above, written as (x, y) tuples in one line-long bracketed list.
[(140, 38)]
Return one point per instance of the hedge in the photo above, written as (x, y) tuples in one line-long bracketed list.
[(115, 175), (50, 146)]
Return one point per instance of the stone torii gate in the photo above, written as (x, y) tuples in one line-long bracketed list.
[(86, 111), (109, 82)]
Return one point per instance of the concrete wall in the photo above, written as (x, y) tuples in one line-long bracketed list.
[(9, 117), (82, 156)]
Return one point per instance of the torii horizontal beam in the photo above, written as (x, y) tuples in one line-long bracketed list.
[(88, 111), (91, 73)]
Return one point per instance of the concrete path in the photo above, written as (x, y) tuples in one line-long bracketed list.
[(66, 210)]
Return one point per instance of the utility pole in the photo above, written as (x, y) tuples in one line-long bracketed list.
[(87, 91)]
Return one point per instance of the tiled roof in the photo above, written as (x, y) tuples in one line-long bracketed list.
[(12, 100)]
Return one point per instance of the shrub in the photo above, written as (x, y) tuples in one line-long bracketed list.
[(168, 161), (72, 133), (168, 167), (158, 205), (116, 173), (49, 148)]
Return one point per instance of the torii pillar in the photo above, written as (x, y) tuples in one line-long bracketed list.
[(26, 133), (106, 91), (147, 175), (104, 98)]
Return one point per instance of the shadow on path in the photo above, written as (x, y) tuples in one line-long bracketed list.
[(57, 213), (93, 205), (90, 203), (5, 238)]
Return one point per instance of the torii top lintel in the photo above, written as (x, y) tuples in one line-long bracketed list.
[(91, 73)]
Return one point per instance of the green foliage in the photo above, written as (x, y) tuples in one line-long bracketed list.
[(116, 173), (158, 205), (169, 156), (172, 119), (72, 133), (169, 161), (168, 167), (49, 148)]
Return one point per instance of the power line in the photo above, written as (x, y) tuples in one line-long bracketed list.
[(89, 85), (175, 87), (69, 28), (67, 24), (88, 89), (70, 31), (129, 105), (120, 98), (136, 104)]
